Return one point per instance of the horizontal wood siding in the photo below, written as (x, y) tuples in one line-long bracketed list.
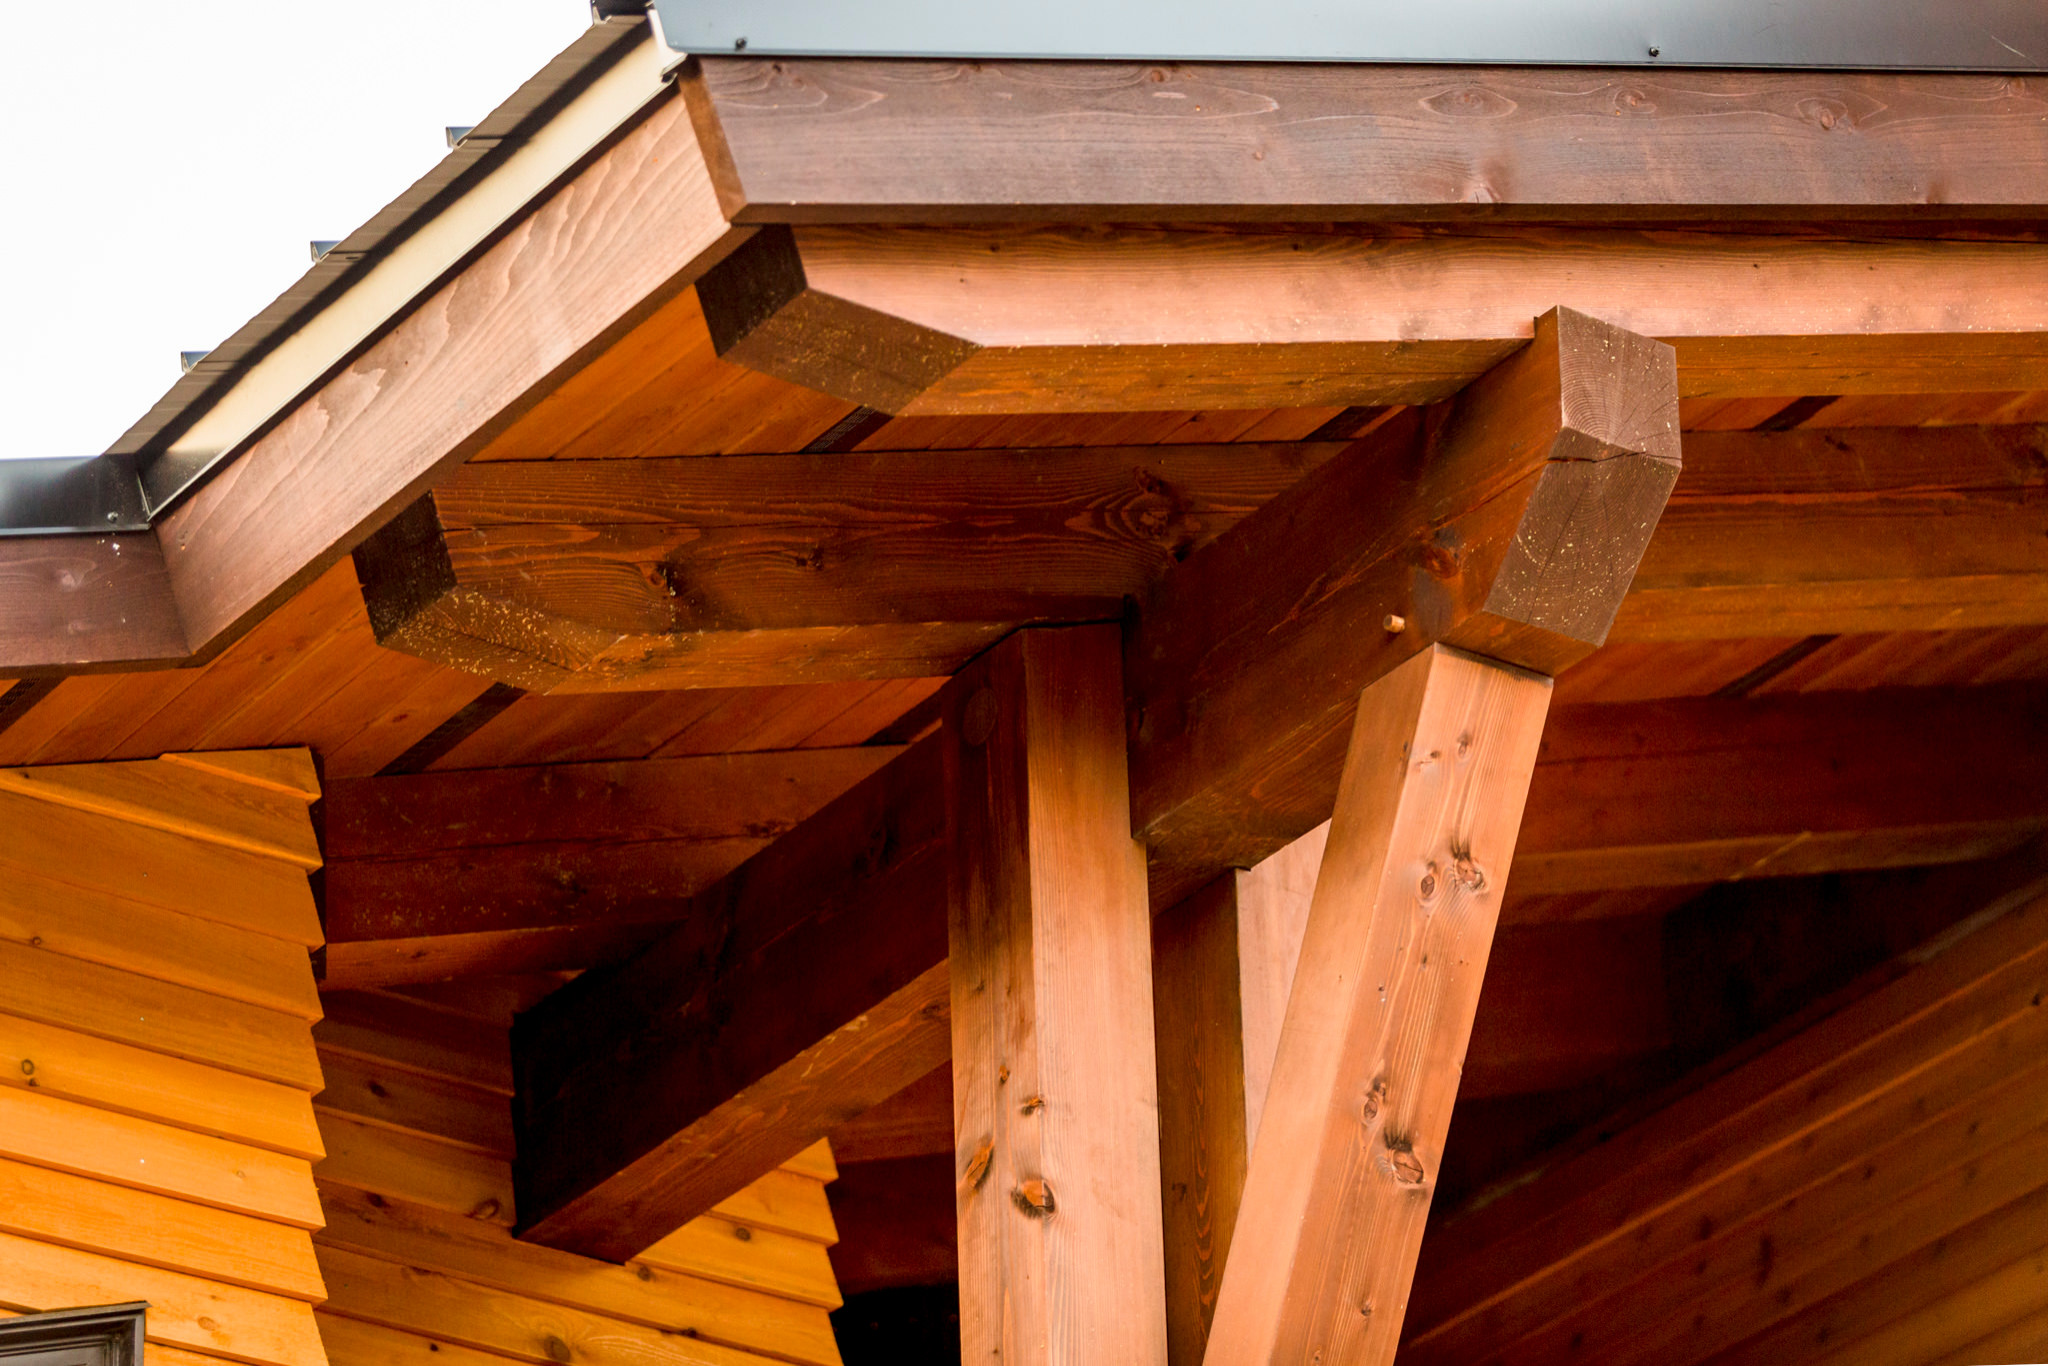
[(157, 1067), (418, 1252)]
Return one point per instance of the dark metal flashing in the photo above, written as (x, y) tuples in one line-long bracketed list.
[(166, 479), (107, 1336), (71, 494), (1880, 35), (137, 479)]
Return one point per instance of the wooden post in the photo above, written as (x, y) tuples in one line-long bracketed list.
[(1055, 1112), (1351, 1138), (1222, 963)]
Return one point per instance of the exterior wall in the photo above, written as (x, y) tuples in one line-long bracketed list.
[(157, 1064), (418, 1255)]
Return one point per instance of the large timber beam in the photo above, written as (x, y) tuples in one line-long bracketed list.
[(1848, 530), (434, 875), (802, 990), (959, 320), (1057, 1123), (576, 865), (636, 225), (812, 140), (1509, 523), (576, 575), (581, 575), (853, 904)]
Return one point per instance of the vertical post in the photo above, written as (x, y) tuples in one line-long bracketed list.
[(1402, 919), (1222, 963), (1055, 1111)]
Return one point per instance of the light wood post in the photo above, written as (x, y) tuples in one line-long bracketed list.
[(1056, 1117), (1351, 1138)]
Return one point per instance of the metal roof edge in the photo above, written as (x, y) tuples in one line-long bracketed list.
[(549, 124)]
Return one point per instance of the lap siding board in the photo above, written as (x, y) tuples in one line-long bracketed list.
[(157, 1068)]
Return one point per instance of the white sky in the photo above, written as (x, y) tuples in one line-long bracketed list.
[(166, 162)]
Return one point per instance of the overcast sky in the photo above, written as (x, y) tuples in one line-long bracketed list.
[(166, 163)]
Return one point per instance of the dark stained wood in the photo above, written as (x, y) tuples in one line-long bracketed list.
[(1507, 524), (843, 911), (1851, 529), (503, 870), (1056, 1117), (1683, 792), (804, 989), (960, 320), (1880, 1158), (1012, 140), (81, 603), (1351, 1137), (703, 572), (1197, 994), (915, 1122), (624, 235), (895, 1219), (426, 866)]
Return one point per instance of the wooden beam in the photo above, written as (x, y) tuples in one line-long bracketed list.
[(848, 913), (1848, 530), (1703, 789), (568, 576), (1846, 1177), (559, 866), (1056, 1118), (1329, 142), (633, 228), (936, 320), (1508, 524), (78, 604), (802, 990), (575, 575), (1352, 1133)]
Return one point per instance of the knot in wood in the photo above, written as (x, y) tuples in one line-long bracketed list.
[(1034, 1198), (978, 1166), (978, 718), (1032, 1105), (1374, 1099), (486, 1209), (557, 1349), (1407, 1168)]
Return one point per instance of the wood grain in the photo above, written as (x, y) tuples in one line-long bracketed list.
[(611, 574), (626, 233), (159, 868), (1846, 530), (478, 858), (1122, 320), (160, 1016), (1508, 524), (1056, 1112), (189, 1312), (40, 1128), (751, 1068), (80, 603), (1121, 141), (1352, 1133), (142, 1082), (1767, 1136), (1223, 964), (1681, 792)]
